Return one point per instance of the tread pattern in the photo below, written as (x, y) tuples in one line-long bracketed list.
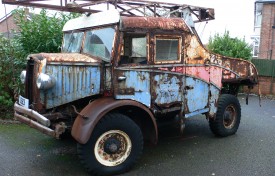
[(108, 122), (216, 125)]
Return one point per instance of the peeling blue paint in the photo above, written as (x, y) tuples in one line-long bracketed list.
[(197, 92), (167, 89), (214, 92), (73, 82), (139, 82)]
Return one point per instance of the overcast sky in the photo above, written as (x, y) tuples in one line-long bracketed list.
[(237, 16)]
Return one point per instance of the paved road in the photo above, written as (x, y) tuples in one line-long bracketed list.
[(26, 152)]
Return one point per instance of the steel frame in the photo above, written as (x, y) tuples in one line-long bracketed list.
[(126, 7)]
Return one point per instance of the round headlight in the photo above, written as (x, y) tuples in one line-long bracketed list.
[(23, 76), (45, 81)]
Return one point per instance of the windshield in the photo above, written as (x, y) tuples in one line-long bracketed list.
[(72, 42), (97, 42)]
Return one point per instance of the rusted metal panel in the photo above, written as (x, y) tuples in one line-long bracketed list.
[(77, 76), (195, 52), (72, 83), (83, 128), (68, 57), (214, 94), (134, 85), (108, 78), (233, 70), (208, 74), (239, 71), (166, 89), (197, 92), (196, 80), (172, 87), (153, 23), (216, 76)]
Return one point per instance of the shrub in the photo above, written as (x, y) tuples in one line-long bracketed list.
[(37, 33), (231, 47)]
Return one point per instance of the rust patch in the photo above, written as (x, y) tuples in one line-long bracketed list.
[(239, 70), (154, 23), (196, 53), (66, 57)]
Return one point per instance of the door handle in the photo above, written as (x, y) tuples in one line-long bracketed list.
[(121, 78)]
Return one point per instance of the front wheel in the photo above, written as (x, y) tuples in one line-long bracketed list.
[(114, 146), (228, 116)]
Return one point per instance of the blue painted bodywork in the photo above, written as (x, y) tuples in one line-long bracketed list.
[(73, 82), (167, 89), (196, 96), (213, 99), (139, 85), (197, 92)]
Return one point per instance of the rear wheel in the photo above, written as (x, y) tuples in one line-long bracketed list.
[(114, 146), (228, 116)]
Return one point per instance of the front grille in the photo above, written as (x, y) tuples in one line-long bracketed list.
[(30, 81)]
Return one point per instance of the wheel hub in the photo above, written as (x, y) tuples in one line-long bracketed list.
[(229, 117), (112, 146)]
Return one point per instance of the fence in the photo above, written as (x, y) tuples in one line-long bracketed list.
[(266, 69)]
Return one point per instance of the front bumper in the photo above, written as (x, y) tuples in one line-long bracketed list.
[(37, 121)]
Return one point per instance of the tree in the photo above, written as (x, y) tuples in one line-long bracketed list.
[(41, 32), (11, 63), (231, 47)]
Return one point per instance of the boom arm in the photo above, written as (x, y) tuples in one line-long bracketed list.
[(126, 7)]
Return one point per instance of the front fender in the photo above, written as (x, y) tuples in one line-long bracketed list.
[(94, 111)]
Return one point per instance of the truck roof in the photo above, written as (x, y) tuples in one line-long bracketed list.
[(96, 19), (153, 23), (113, 16)]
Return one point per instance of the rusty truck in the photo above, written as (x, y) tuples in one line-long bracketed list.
[(121, 73)]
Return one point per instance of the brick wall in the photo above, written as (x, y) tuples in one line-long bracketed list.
[(265, 85), (267, 49), (11, 24)]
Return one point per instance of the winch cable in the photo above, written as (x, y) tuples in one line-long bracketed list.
[(203, 29)]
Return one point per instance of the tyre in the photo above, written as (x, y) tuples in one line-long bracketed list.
[(114, 146), (228, 116)]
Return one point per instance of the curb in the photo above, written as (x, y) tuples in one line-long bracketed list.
[(9, 121)]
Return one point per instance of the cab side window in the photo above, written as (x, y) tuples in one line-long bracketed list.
[(134, 49), (167, 49)]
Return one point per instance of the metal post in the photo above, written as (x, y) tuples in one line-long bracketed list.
[(272, 77), (155, 13), (115, 4)]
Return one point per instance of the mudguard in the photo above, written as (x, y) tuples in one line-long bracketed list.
[(94, 111)]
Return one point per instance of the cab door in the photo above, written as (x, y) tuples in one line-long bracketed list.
[(131, 76), (167, 77)]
